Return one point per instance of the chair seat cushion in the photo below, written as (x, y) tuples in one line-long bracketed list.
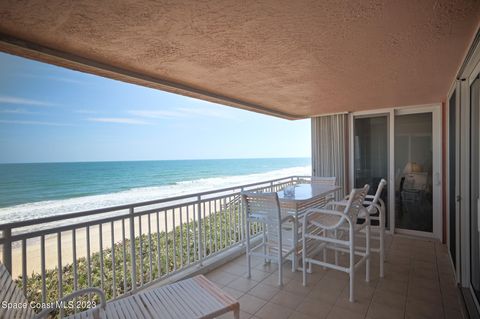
[(322, 220)]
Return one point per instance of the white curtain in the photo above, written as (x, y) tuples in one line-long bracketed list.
[(329, 147)]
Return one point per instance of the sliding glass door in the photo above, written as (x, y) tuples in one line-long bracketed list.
[(414, 172), (475, 187), (403, 146), (371, 153)]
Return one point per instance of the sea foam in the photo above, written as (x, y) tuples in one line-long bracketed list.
[(136, 195)]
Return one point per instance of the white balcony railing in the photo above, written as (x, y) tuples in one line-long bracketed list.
[(120, 249)]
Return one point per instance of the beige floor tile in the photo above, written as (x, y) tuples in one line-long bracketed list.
[(251, 304), (341, 313), (264, 291), (299, 315), (316, 308), (394, 286), (425, 294), (259, 275), (274, 311), (325, 293), (381, 311), (235, 268), (360, 305), (221, 278), (287, 299), (229, 315), (233, 292), (453, 313), (297, 288), (389, 299), (421, 309), (272, 280), (242, 284)]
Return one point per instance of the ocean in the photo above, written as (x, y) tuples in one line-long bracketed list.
[(29, 191)]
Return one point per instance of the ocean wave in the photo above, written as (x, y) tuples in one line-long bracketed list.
[(136, 195)]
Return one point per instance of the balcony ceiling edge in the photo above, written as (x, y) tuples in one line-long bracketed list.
[(30, 50)]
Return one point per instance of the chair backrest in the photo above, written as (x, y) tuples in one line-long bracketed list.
[(324, 180), (355, 202), (12, 294), (264, 206), (378, 193), (375, 201)]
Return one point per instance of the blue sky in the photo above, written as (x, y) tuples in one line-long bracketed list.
[(52, 114)]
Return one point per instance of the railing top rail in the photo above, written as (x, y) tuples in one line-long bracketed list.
[(98, 211)]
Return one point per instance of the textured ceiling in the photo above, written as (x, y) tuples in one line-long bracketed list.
[(289, 58)]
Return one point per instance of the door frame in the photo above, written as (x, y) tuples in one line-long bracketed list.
[(454, 89), (435, 109), (466, 78)]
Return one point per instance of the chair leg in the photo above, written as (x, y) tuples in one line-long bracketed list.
[(336, 252), (304, 262), (280, 268), (295, 243), (264, 241), (382, 251), (367, 253), (247, 243), (352, 266), (324, 251)]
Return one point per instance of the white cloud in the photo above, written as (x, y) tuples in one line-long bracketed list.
[(119, 120), (181, 112), (33, 123), (16, 111), (156, 114), (200, 111), (54, 78), (22, 101), (83, 111)]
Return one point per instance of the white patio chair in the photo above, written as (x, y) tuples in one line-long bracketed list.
[(264, 208), (318, 223), (376, 210)]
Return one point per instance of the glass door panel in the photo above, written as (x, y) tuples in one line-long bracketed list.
[(475, 187), (414, 172), (452, 133), (371, 153)]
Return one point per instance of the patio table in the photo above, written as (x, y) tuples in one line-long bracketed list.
[(304, 197)]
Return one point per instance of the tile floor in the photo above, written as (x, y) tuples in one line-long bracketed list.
[(418, 283)]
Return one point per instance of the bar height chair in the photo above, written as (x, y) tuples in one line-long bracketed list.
[(318, 223), (264, 208)]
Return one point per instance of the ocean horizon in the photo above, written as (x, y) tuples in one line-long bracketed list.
[(33, 190)]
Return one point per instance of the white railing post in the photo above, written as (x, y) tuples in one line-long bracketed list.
[(199, 222), (132, 249), (7, 249), (242, 223)]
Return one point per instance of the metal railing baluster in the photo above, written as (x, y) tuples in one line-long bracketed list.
[(42, 262), (102, 273), (158, 247), (150, 247), (24, 266), (114, 279), (174, 257)]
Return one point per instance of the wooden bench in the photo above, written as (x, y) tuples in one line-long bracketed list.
[(193, 298)]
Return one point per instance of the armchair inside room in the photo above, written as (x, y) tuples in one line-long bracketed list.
[(414, 183)]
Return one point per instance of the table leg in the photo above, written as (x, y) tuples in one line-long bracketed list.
[(295, 244)]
